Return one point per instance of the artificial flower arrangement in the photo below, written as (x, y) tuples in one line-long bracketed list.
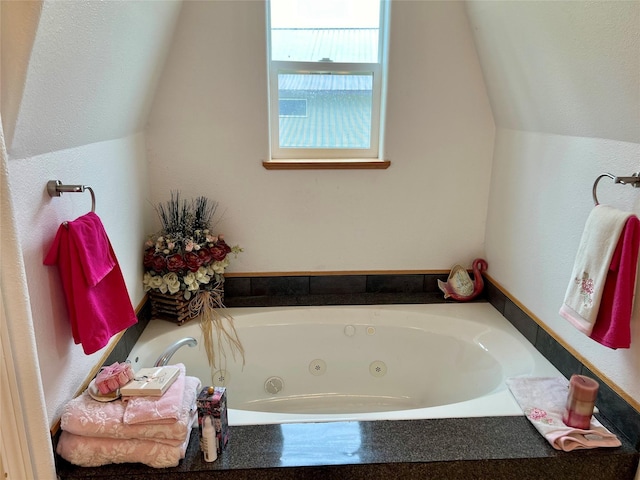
[(184, 271), (185, 256)]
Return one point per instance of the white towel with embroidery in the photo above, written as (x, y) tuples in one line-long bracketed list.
[(543, 400), (599, 239)]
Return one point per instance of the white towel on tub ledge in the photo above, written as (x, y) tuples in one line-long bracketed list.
[(543, 400)]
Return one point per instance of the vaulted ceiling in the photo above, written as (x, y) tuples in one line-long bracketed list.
[(80, 72), (561, 67), (75, 73)]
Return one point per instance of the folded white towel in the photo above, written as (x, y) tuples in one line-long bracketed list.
[(598, 242), (543, 400)]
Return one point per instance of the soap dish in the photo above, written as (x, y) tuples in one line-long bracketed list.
[(96, 395)]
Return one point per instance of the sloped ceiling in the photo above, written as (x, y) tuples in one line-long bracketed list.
[(78, 72), (90, 73), (561, 67)]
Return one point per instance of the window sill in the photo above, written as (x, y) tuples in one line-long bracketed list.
[(315, 164)]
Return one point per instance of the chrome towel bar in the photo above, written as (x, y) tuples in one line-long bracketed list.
[(633, 180), (55, 188)]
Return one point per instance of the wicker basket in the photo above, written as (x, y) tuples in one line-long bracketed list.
[(172, 307)]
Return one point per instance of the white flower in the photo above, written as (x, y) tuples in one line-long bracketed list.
[(146, 281), (172, 282), (218, 267), (191, 282), (155, 281), (202, 276)]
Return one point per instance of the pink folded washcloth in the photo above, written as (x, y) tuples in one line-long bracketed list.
[(157, 410), (87, 417), (543, 400)]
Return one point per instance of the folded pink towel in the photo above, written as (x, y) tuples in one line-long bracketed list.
[(93, 451), (157, 410), (543, 400), (595, 252), (94, 289), (613, 324), (87, 417)]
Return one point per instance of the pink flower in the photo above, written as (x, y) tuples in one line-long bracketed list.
[(587, 285), (537, 414)]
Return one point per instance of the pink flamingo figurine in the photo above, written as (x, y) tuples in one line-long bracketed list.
[(459, 285)]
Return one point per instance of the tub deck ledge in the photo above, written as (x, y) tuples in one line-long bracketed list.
[(452, 448)]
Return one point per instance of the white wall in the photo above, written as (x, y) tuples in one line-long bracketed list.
[(534, 228), (563, 81), (116, 171), (208, 134), (78, 78)]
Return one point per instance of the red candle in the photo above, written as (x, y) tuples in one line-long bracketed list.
[(580, 402)]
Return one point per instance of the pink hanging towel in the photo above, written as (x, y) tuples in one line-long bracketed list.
[(94, 289), (613, 324)]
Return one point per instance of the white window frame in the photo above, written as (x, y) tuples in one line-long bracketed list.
[(378, 71)]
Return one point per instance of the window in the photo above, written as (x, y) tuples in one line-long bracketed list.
[(292, 107), (326, 75)]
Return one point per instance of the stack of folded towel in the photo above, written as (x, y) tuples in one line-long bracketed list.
[(154, 431)]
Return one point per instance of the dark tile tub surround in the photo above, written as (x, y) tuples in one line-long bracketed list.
[(130, 337), (484, 448), (333, 290)]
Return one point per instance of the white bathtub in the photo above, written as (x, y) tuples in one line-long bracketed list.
[(345, 363)]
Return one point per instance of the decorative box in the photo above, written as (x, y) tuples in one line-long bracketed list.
[(212, 401), (151, 381)]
